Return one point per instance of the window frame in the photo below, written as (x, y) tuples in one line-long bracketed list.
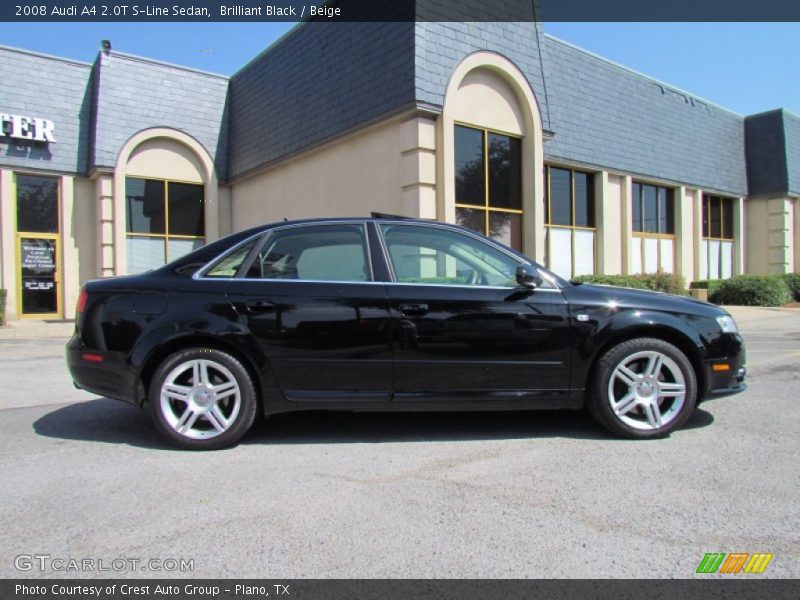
[(267, 237), (550, 279), (706, 234), (657, 235), (572, 227), (486, 208), (166, 236)]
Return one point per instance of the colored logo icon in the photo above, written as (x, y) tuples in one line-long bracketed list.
[(735, 562)]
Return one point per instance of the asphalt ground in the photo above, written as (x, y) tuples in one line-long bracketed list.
[(538, 494)]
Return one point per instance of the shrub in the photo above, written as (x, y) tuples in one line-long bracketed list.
[(793, 281), (658, 282), (712, 285), (753, 290), (2, 307)]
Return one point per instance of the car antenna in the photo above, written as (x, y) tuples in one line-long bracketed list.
[(285, 219)]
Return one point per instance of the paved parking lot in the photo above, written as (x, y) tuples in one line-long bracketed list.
[(414, 495)]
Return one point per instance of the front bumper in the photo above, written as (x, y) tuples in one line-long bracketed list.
[(725, 375)]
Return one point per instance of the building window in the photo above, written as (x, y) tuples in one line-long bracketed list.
[(570, 220), (653, 224), (489, 184), (716, 252), (165, 220)]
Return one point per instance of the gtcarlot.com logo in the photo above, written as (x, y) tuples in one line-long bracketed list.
[(735, 562), (59, 564)]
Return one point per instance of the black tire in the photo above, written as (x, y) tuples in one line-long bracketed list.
[(627, 424), (219, 367)]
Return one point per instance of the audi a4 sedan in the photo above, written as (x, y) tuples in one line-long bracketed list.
[(390, 314)]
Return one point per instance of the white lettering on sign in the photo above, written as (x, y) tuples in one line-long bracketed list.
[(27, 128)]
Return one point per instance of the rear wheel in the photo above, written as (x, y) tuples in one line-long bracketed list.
[(202, 399), (642, 388)]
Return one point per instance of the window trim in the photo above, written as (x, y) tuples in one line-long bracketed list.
[(572, 228), (268, 235), (487, 210), (166, 235), (707, 210), (469, 233), (670, 191), (643, 235)]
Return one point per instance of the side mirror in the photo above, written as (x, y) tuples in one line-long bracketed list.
[(528, 276)]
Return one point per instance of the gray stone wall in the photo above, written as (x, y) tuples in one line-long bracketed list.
[(319, 81), (135, 94), (441, 46), (766, 153), (51, 88), (611, 117), (791, 123)]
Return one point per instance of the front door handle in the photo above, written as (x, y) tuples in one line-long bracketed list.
[(413, 309), (260, 305)]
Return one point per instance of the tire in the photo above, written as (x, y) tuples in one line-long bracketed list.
[(202, 399), (643, 388)]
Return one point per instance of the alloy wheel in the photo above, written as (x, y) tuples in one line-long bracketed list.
[(647, 390), (200, 399)]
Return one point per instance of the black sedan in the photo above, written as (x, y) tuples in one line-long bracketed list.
[(386, 314)]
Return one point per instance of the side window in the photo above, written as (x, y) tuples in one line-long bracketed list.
[(229, 265), (317, 252), (434, 255)]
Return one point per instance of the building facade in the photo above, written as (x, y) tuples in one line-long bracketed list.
[(120, 165)]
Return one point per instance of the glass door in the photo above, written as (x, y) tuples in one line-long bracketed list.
[(38, 246), (39, 278)]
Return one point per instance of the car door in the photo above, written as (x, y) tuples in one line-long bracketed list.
[(463, 327), (310, 300)]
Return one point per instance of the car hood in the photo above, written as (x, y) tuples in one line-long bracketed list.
[(600, 295)]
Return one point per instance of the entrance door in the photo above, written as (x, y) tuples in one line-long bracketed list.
[(39, 279), (38, 247)]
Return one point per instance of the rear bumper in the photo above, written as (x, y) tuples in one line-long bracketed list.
[(99, 372)]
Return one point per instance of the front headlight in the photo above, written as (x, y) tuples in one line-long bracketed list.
[(727, 324)]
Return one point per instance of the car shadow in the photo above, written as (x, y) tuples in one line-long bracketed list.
[(109, 421)]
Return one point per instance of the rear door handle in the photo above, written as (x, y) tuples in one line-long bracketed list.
[(413, 309), (260, 305)]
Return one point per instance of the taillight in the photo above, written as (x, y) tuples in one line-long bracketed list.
[(81, 307)]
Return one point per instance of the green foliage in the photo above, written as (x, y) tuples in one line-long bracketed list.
[(712, 285), (2, 307), (753, 290), (658, 282), (793, 281)]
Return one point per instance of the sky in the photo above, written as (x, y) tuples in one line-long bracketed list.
[(744, 67)]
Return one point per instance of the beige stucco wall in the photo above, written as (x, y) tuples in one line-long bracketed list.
[(164, 158), (608, 211), (83, 231), (7, 241), (487, 90), (796, 237), (350, 177), (483, 98), (76, 262), (163, 153), (770, 246)]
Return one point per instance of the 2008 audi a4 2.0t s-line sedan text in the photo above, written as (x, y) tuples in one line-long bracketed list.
[(389, 314)]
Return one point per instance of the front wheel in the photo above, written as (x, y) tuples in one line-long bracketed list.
[(642, 388), (202, 399)]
